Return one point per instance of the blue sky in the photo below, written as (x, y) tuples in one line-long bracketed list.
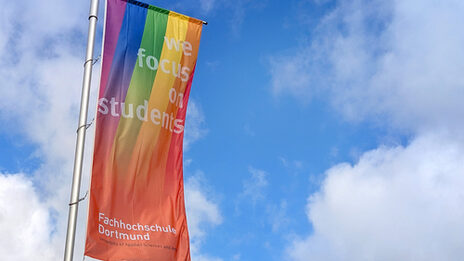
[(316, 129)]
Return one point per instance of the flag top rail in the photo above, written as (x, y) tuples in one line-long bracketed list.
[(162, 10)]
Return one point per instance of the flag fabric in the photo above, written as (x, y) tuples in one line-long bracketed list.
[(136, 205)]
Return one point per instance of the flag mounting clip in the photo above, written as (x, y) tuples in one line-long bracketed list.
[(86, 126), (77, 202), (94, 61)]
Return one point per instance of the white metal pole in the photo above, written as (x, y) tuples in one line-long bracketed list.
[(79, 153)]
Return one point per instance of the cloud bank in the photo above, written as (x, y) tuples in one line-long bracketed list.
[(397, 64), (395, 61), (396, 203)]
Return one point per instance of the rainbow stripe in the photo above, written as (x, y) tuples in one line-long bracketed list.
[(148, 65)]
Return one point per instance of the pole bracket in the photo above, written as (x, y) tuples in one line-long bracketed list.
[(86, 126), (93, 60), (81, 199)]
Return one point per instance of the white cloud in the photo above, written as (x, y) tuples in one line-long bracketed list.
[(202, 7), (207, 5), (202, 214), (200, 257), (278, 216), (396, 203), (395, 61), (40, 78), (290, 75), (291, 164), (253, 187), (249, 130), (25, 221), (194, 124)]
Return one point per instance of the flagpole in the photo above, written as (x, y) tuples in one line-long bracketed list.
[(79, 153)]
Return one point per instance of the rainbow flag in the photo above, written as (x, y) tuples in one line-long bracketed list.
[(136, 208)]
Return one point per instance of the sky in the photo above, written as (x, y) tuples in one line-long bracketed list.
[(316, 129)]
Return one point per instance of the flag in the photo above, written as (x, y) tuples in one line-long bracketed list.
[(136, 205)]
